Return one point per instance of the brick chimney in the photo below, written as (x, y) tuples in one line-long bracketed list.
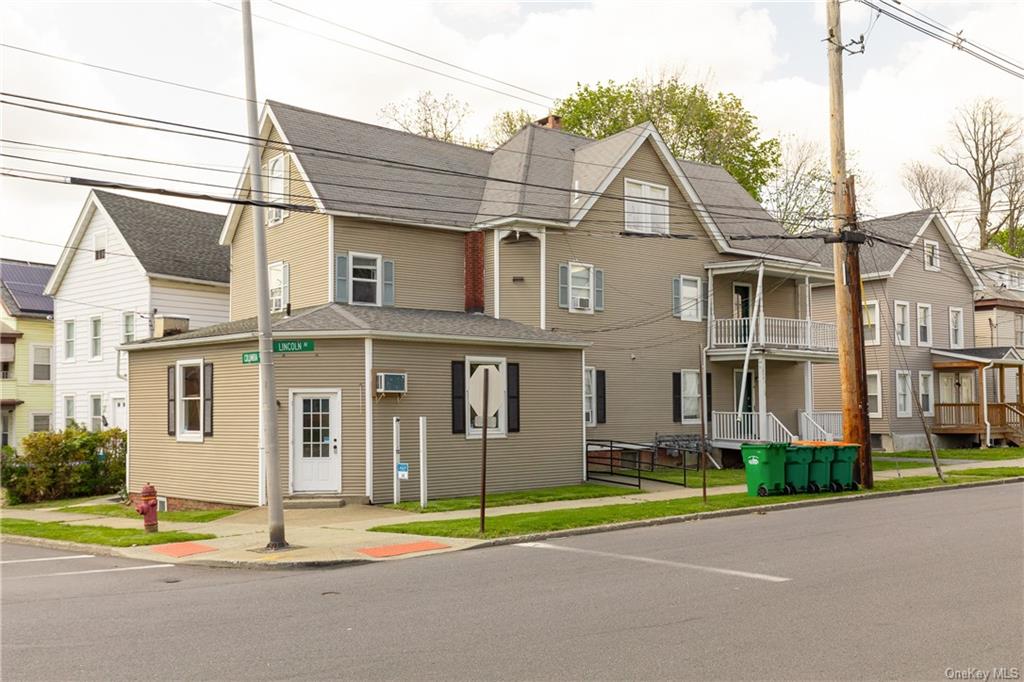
[(474, 273), (169, 325), (550, 121)]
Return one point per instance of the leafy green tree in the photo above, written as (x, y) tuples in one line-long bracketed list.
[(505, 125), (696, 124)]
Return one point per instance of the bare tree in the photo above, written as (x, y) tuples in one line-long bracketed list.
[(932, 186), (506, 124), (800, 194), (985, 137), (426, 115), (1011, 180)]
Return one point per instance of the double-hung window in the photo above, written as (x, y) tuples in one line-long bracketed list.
[(365, 270), (274, 171), (42, 421), (590, 396), (69, 339), (278, 282), (128, 327), (581, 287), (69, 410), (874, 394), (42, 364), (901, 322), (932, 259), (1018, 329), (646, 207), (99, 246), (924, 324), (475, 421), (690, 395), (96, 338), (870, 323), (956, 327), (189, 408), (96, 412), (903, 388), (925, 393), (690, 307)]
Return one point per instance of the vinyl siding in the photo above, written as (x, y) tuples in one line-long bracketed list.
[(784, 389), (429, 264), (300, 240), (782, 297), (37, 397), (548, 450), (520, 258), (203, 305)]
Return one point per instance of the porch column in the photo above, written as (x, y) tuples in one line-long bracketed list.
[(1020, 385), (762, 399), (807, 310), (1002, 384), (711, 308), (808, 388), (984, 406)]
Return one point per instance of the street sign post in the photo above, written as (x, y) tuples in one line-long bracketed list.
[(251, 358), (294, 346), (486, 391)]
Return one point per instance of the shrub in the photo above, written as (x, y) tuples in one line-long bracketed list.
[(53, 465)]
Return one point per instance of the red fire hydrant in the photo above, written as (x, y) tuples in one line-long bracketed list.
[(147, 507)]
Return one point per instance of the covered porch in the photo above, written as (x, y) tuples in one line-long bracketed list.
[(974, 396)]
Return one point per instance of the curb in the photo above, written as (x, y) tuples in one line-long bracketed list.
[(101, 550)]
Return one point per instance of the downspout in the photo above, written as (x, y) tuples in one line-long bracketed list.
[(750, 342), (984, 405)]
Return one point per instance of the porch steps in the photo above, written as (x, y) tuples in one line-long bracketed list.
[(317, 501)]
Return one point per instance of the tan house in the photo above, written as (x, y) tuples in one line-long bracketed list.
[(602, 275)]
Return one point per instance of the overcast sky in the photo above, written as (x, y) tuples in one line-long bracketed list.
[(900, 93)]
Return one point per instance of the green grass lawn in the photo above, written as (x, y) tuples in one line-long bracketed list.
[(565, 492), (94, 535), (54, 504), (128, 512), (539, 522), (964, 453), (716, 477)]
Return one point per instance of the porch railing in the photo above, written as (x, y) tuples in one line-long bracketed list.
[(958, 414), (777, 431), (830, 424), (744, 426), (779, 332)]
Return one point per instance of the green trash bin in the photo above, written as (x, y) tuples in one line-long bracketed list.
[(819, 471), (842, 466), (765, 465), (798, 459)]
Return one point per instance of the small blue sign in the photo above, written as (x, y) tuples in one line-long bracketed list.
[(403, 471)]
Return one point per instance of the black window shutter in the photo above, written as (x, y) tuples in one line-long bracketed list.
[(458, 396), (599, 384), (171, 372), (677, 396), (207, 398), (512, 387), (707, 396)]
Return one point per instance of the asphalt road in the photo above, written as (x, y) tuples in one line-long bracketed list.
[(910, 587)]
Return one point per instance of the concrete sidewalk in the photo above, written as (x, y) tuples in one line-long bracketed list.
[(342, 535)]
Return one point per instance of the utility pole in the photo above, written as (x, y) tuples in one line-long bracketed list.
[(846, 262), (268, 416)]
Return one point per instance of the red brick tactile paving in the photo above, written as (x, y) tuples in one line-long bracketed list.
[(396, 550), (180, 549)]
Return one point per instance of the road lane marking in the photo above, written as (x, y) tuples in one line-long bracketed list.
[(49, 558), (95, 570), (659, 562)]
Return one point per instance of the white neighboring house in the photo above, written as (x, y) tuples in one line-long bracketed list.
[(128, 264)]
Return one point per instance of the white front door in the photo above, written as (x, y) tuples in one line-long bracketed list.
[(315, 441), (119, 413)]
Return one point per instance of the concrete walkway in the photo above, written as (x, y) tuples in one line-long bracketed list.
[(340, 535)]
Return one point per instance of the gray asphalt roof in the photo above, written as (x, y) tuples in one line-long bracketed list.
[(21, 288), (339, 317), (880, 256), (986, 353), (170, 240), (989, 263)]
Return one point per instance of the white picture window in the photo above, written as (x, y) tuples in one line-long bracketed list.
[(189, 407), (581, 287), (278, 277), (99, 246), (903, 388), (364, 274), (956, 327), (689, 299), (128, 327), (924, 324), (42, 421), (872, 337), (874, 394), (932, 259), (690, 395), (474, 421), (42, 364), (274, 171), (646, 207), (589, 396), (69, 410), (96, 338), (901, 323), (96, 412), (69, 340), (926, 392)]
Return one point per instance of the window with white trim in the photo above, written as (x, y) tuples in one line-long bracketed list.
[(42, 421), (903, 388), (924, 324), (474, 421), (932, 259), (274, 172), (127, 327), (69, 339), (1018, 329), (956, 327), (42, 364), (646, 207), (901, 323), (95, 338), (581, 287), (99, 245), (189, 400), (872, 337), (96, 412), (874, 381), (590, 396), (690, 307), (690, 395), (277, 277), (365, 275), (926, 392), (69, 410)]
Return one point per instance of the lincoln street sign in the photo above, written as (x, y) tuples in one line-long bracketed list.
[(294, 346)]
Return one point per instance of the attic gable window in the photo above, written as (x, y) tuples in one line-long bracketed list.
[(932, 260), (646, 207), (99, 246), (274, 173)]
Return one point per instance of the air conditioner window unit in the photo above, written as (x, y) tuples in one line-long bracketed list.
[(392, 382), (581, 303)]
